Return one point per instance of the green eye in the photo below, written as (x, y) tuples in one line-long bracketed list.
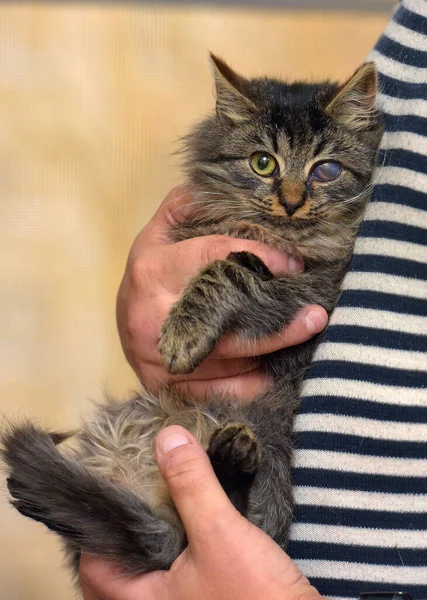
[(263, 164)]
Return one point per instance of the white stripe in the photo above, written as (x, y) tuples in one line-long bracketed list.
[(395, 248), (373, 355), (405, 140), (388, 284), (358, 536), (389, 576), (419, 7), (361, 463), (402, 106), (398, 70), (379, 319), (363, 390), (369, 428), (406, 37), (402, 177), (398, 213), (356, 500)]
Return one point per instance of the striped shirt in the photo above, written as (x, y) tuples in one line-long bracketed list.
[(360, 466)]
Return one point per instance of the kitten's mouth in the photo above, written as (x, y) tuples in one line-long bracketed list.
[(294, 221), (289, 209)]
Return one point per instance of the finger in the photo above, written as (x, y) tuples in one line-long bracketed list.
[(103, 580), (242, 387), (310, 321), (171, 266), (174, 209), (198, 496), (209, 369), (196, 253), (88, 593), (185, 259)]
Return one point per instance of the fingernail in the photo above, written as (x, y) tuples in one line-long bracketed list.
[(172, 442), (295, 264), (315, 321)]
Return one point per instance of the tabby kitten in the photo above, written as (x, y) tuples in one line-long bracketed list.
[(285, 164)]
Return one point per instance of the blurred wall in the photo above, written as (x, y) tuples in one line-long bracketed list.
[(92, 99)]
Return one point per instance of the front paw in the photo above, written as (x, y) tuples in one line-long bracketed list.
[(184, 345)]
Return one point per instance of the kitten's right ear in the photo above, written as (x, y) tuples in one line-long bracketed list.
[(231, 101)]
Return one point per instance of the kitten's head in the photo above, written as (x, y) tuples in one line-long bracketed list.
[(292, 156)]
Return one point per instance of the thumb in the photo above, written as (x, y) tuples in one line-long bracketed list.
[(213, 524), (198, 496)]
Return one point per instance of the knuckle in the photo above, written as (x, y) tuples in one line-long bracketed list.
[(141, 272), (143, 287), (215, 247), (139, 330), (140, 337), (133, 323)]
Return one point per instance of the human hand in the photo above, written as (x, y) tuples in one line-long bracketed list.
[(156, 273), (227, 557)]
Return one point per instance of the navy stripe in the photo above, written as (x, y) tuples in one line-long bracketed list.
[(395, 557), (371, 263), (408, 19), (363, 482), (395, 340), (356, 444), (333, 479), (378, 411), (397, 194), (363, 372), (353, 517), (381, 301), (409, 56), (349, 589), (395, 87), (393, 231), (411, 123), (405, 159)]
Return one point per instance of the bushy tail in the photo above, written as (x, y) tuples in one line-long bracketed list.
[(91, 513)]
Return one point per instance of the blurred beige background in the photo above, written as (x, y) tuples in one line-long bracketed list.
[(92, 99)]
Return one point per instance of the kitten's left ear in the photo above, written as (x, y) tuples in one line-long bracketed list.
[(231, 100), (354, 104)]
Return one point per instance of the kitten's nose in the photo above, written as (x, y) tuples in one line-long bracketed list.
[(291, 208), (292, 195)]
